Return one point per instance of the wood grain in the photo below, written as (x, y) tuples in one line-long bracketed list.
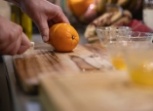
[(43, 60), (96, 91)]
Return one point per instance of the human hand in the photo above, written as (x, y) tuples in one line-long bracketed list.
[(44, 14), (12, 39)]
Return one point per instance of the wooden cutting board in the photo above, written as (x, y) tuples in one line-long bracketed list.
[(94, 91), (42, 60)]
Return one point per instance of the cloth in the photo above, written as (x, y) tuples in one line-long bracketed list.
[(138, 25)]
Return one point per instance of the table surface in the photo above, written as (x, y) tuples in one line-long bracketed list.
[(23, 102)]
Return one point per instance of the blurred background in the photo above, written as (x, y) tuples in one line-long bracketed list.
[(85, 15)]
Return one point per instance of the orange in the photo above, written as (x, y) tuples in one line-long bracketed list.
[(63, 37), (79, 7)]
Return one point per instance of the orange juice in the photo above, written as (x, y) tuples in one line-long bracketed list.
[(118, 62), (142, 74)]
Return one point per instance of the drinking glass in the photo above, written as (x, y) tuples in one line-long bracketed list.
[(139, 62), (123, 42)]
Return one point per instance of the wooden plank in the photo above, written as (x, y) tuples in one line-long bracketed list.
[(99, 91), (59, 97), (42, 60)]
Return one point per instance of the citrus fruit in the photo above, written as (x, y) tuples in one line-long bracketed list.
[(79, 7), (63, 37)]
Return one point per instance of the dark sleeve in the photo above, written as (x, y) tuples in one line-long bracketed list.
[(6, 102)]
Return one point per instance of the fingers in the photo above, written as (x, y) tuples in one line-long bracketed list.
[(44, 29), (59, 16), (11, 48), (25, 44), (45, 22), (18, 46), (44, 14), (62, 18)]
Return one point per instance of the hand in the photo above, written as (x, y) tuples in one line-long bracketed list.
[(44, 14), (12, 39)]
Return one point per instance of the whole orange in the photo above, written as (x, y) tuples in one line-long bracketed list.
[(63, 37), (79, 7)]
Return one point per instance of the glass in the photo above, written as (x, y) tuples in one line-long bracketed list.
[(136, 37), (139, 61), (109, 35), (115, 52), (116, 49)]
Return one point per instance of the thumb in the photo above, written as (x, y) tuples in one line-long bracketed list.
[(44, 30)]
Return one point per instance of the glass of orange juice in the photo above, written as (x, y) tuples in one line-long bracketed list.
[(108, 37), (139, 62), (116, 55), (117, 48)]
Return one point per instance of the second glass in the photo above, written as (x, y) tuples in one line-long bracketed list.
[(122, 43)]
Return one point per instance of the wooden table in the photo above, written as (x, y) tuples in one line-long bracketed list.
[(85, 77)]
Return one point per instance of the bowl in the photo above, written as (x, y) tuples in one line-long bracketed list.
[(110, 34)]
